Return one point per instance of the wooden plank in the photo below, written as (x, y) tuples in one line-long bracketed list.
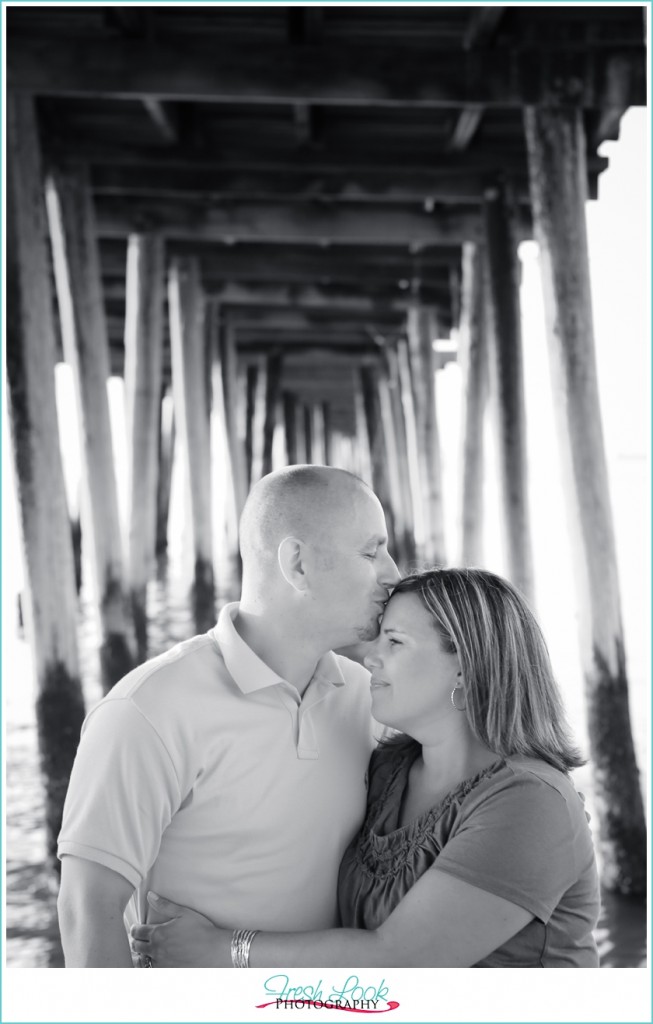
[(143, 378), (556, 148), (51, 599), (507, 382), (288, 180), (198, 69), (290, 223), (86, 349), (187, 341), (473, 360)]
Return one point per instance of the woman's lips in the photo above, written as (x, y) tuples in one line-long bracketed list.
[(378, 684)]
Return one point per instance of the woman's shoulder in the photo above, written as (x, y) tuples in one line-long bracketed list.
[(531, 781)]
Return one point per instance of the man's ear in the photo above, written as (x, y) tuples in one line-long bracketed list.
[(290, 555)]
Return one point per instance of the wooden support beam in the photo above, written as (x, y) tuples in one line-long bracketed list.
[(336, 74), (556, 156), (290, 223), (274, 366), (290, 424), (234, 400), (328, 433), (50, 604), (308, 432), (226, 487), (507, 380), (465, 128), (145, 282), (406, 531), (318, 447), (296, 180), (164, 478), (163, 117), (473, 360), (187, 341), (86, 349), (378, 448), (412, 448), (482, 26), (422, 331), (306, 264)]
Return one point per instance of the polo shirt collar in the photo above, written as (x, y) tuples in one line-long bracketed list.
[(249, 672)]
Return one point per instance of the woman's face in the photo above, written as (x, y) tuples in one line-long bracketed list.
[(412, 676)]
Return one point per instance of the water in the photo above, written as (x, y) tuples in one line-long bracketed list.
[(32, 933)]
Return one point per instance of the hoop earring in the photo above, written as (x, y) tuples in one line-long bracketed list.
[(453, 697)]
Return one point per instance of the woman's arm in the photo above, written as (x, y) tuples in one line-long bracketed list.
[(441, 922)]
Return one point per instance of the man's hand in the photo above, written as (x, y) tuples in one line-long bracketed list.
[(185, 939), (92, 900)]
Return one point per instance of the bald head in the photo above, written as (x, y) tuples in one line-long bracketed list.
[(306, 502)]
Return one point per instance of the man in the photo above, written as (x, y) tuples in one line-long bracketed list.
[(229, 773)]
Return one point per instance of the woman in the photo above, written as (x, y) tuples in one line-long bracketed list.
[(475, 850)]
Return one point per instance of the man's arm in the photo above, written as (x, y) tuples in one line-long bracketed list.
[(92, 900)]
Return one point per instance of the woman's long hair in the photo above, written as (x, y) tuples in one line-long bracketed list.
[(513, 704)]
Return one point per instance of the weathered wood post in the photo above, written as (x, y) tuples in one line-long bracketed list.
[(421, 333), (473, 361), (290, 425), (233, 403), (256, 416), (328, 433), (558, 175), (362, 439), (317, 434), (412, 448), (272, 391), (308, 433), (507, 379), (86, 348), (145, 283), (407, 551), (166, 458), (378, 447), (187, 341), (224, 489), (50, 603)]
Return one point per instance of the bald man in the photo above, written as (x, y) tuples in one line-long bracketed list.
[(230, 772)]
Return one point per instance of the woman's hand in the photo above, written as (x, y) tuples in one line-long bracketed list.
[(186, 939)]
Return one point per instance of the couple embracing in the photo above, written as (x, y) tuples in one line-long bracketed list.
[(229, 805)]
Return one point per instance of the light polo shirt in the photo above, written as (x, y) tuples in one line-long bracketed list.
[(204, 776)]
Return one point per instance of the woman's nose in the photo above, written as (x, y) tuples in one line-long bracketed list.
[(372, 659)]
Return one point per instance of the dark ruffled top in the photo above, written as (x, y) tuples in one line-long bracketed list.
[(386, 859)]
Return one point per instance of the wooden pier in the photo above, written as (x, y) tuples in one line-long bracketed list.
[(263, 218)]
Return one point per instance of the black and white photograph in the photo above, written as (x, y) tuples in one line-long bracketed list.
[(326, 510)]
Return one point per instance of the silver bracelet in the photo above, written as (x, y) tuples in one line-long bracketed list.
[(241, 940)]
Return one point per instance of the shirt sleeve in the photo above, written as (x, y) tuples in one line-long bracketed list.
[(122, 794), (517, 842)]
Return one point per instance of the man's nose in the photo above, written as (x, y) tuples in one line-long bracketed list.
[(389, 574)]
